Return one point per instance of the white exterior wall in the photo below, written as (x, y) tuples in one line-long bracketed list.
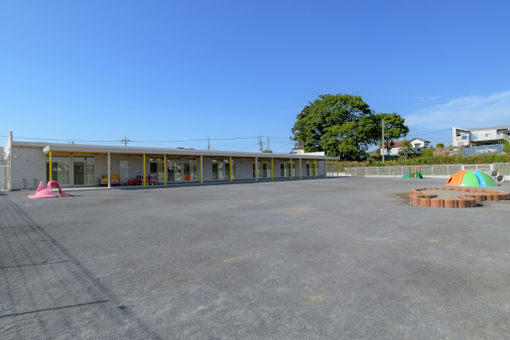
[(28, 167), (243, 168), (135, 166)]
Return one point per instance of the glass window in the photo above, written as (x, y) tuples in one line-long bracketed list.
[(83, 170), (60, 169), (174, 168), (190, 169), (264, 168), (156, 170), (220, 169), (284, 168)]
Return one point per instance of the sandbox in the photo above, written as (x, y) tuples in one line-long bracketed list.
[(454, 197)]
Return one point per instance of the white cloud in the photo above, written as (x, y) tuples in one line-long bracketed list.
[(464, 112)]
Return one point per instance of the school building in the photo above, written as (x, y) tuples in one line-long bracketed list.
[(25, 164)]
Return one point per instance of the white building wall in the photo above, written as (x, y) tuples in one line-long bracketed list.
[(243, 168), (28, 167)]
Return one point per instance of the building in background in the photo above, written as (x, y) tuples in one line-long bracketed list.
[(479, 136), (25, 164), (417, 146)]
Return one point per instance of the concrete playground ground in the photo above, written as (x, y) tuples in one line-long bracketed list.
[(332, 258)]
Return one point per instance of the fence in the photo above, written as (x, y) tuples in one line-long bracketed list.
[(436, 170), (4, 176), (482, 149)]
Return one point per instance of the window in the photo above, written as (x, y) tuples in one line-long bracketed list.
[(59, 169), (174, 168), (220, 169), (83, 170)]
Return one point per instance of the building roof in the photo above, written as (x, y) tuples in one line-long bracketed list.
[(395, 144), (416, 138), (492, 128), (503, 127), (103, 149)]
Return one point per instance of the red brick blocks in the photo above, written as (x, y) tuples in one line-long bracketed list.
[(467, 198)]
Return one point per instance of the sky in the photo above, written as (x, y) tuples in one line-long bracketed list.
[(174, 73)]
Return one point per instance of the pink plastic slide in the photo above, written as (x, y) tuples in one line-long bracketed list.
[(44, 191)]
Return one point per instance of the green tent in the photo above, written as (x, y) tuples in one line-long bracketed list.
[(413, 174)]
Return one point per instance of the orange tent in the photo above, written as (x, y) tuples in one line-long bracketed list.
[(456, 179)]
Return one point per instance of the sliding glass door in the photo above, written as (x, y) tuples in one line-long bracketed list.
[(59, 170), (83, 170)]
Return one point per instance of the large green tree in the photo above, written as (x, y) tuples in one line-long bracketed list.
[(394, 128), (341, 125)]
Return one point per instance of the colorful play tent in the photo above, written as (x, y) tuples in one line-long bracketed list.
[(470, 178), (413, 174)]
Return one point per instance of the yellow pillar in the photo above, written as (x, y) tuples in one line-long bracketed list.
[(230, 166), (272, 169), (325, 168), (201, 168), (164, 167), (51, 167), (256, 169), (290, 168), (144, 176), (109, 172), (314, 168)]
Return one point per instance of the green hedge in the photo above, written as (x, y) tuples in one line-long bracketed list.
[(423, 160)]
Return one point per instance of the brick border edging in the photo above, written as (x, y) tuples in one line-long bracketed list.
[(467, 200)]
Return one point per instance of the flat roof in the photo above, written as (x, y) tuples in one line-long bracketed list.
[(86, 148)]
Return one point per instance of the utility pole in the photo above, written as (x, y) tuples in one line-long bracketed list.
[(208, 143), (125, 141), (261, 145), (382, 145), (268, 144)]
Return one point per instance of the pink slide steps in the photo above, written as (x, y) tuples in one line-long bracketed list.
[(44, 191)]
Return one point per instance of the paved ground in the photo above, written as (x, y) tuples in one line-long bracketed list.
[(314, 259)]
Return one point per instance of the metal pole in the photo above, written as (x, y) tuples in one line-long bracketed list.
[(230, 169), (50, 169), (382, 147), (201, 169), (272, 168), (164, 168), (109, 172), (144, 176)]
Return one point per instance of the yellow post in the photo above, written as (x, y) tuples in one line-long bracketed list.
[(325, 168), (164, 167), (51, 167), (290, 168), (144, 176), (314, 168), (230, 166), (201, 167), (272, 171), (300, 166), (256, 169)]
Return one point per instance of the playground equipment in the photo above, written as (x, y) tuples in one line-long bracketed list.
[(45, 191), (103, 180), (454, 197), (470, 178), (497, 177), (413, 174)]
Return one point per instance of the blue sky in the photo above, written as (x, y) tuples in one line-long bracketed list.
[(169, 71)]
